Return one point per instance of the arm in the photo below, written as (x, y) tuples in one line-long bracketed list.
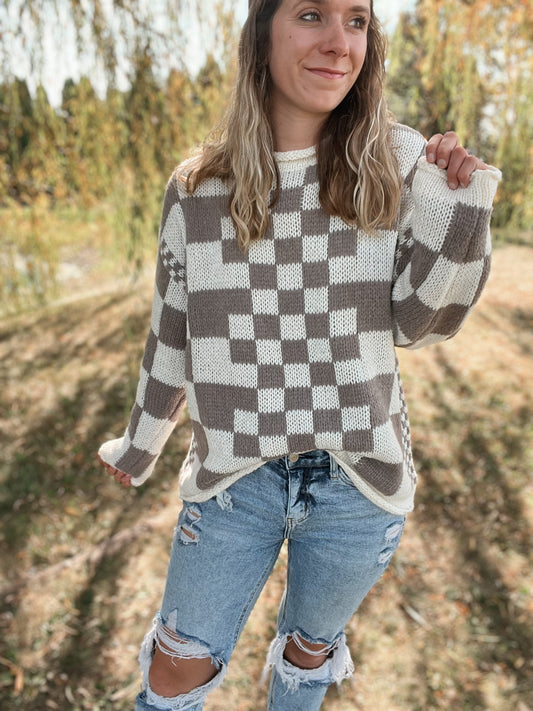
[(160, 392), (443, 256)]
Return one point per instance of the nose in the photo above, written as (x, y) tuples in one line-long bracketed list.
[(334, 40)]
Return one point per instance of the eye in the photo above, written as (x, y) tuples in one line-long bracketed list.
[(359, 23), (311, 16)]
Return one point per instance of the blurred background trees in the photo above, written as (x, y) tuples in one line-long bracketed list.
[(106, 153), (108, 146), (468, 65)]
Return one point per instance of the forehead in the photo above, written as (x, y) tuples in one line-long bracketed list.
[(348, 5)]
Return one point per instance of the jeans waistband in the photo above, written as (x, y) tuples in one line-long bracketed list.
[(311, 460)]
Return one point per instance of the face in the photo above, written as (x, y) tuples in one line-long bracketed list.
[(317, 50)]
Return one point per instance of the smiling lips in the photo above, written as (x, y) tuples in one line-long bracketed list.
[(326, 73)]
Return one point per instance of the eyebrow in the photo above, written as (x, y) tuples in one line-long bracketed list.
[(354, 8)]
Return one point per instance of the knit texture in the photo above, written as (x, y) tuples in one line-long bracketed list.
[(289, 347)]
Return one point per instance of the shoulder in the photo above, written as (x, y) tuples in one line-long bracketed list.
[(408, 145), (177, 183), (185, 177), (178, 189)]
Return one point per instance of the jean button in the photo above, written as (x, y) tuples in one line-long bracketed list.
[(293, 457)]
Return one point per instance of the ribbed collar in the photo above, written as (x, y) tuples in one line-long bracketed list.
[(295, 160)]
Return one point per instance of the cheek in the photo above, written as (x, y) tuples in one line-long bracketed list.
[(362, 50), (358, 59), (284, 58)]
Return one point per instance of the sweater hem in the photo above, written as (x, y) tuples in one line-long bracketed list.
[(372, 494)]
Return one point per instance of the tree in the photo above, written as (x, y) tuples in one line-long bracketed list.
[(112, 33), (469, 65), (116, 149), (89, 148)]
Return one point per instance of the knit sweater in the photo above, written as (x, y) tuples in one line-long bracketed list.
[(290, 346)]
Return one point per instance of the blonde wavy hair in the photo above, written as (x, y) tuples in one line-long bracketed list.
[(358, 173)]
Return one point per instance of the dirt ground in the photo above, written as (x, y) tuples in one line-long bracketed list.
[(83, 561)]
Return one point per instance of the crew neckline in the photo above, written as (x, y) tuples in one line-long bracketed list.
[(295, 158)]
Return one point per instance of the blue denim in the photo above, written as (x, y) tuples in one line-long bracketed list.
[(339, 544)]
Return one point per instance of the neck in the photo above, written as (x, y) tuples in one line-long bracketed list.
[(294, 133)]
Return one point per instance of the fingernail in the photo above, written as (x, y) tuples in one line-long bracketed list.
[(431, 157), (452, 186), (441, 163)]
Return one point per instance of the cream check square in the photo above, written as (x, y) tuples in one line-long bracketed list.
[(319, 350), (356, 418), (287, 224), (297, 375), (292, 327), (299, 422), (315, 248), (271, 400), (265, 301), (262, 252), (316, 300), (246, 422), (343, 322), (269, 352), (325, 397), (290, 277), (270, 446), (241, 326)]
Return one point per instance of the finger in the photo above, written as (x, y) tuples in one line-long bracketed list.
[(469, 165), (449, 142), (118, 476), (455, 171), (109, 469), (432, 147), (125, 480), (115, 473)]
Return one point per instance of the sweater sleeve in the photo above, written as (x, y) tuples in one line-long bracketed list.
[(443, 254), (160, 391)]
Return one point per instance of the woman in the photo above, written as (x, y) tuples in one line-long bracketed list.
[(305, 241)]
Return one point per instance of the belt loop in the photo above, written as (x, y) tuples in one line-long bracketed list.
[(333, 466)]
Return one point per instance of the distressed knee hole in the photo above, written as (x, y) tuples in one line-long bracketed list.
[(173, 644), (334, 661), (178, 647), (304, 654), (181, 669)]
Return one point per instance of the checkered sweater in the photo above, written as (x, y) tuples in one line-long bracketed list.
[(289, 347)]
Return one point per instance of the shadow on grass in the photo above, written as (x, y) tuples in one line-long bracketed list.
[(81, 661), (519, 325), (56, 500), (488, 449), (49, 469)]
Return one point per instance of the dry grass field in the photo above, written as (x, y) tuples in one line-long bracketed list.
[(82, 561)]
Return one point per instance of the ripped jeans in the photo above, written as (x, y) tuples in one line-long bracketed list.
[(339, 544)]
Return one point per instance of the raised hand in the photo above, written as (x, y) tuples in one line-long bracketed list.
[(448, 153)]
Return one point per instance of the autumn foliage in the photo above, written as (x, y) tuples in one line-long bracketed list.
[(466, 65)]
